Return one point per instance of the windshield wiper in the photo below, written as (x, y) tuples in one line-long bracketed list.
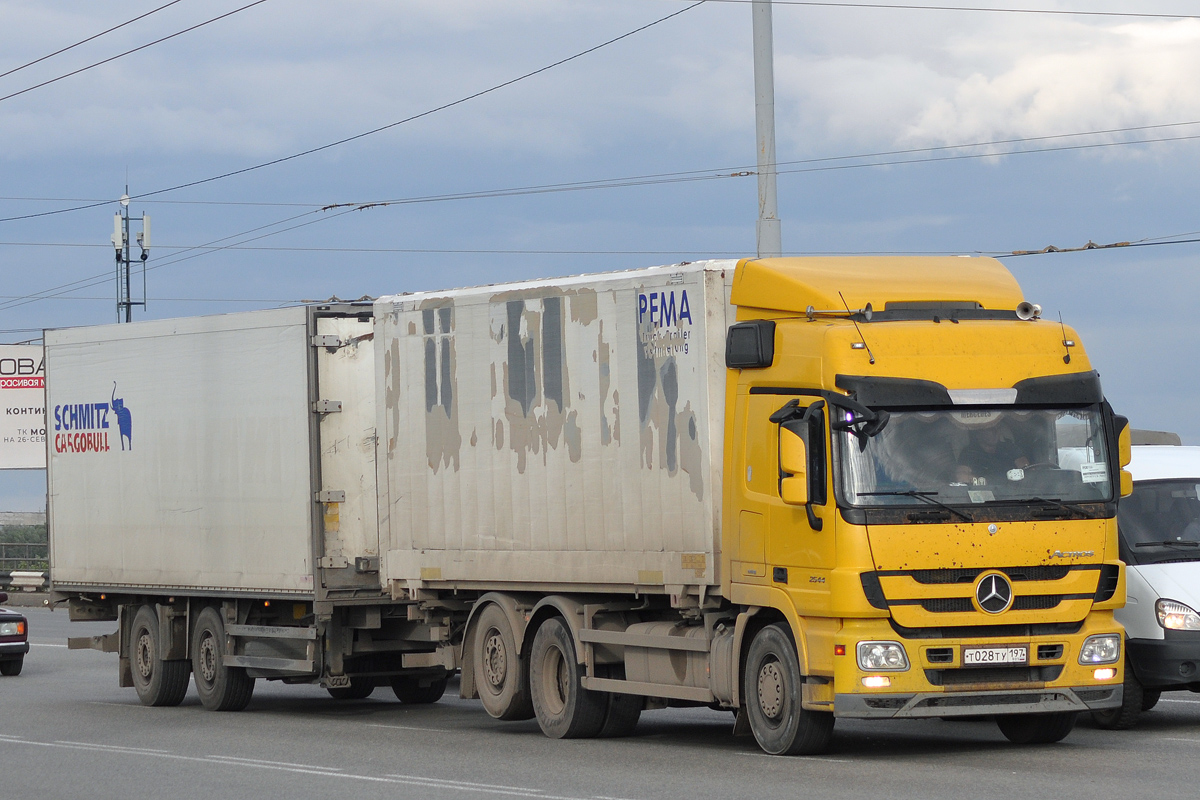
[(1052, 501), (1170, 543), (926, 496)]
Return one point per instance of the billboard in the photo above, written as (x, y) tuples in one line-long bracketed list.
[(22, 407)]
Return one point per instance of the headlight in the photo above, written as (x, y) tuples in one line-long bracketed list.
[(1102, 649), (1176, 616), (874, 656), (12, 628)]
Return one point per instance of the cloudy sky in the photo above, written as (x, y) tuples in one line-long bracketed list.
[(869, 100)]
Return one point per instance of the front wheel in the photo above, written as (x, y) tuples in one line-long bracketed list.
[(1133, 701), (12, 666), (221, 688), (772, 691), (1037, 728)]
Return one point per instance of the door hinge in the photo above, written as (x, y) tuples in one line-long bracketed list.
[(326, 340), (326, 406), (331, 496)]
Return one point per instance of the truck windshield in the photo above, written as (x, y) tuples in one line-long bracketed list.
[(1160, 521), (976, 456)]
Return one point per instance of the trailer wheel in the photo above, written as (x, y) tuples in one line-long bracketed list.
[(564, 709), (12, 666), (221, 688), (158, 682), (1133, 702), (1037, 728), (501, 674), (414, 690), (359, 689), (772, 695)]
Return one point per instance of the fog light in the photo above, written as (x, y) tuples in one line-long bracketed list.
[(874, 656), (877, 681), (1102, 649), (1106, 674)]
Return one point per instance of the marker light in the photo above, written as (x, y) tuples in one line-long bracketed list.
[(839, 649), (1176, 616), (873, 656), (1102, 649), (1106, 674), (877, 681)]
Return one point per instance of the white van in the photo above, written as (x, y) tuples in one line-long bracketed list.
[(1160, 541)]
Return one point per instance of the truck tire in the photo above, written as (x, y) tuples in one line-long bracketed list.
[(1150, 698), (771, 688), (1037, 728), (414, 690), (501, 674), (359, 689), (12, 666), (624, 711), (1124, 716), (158, 682), (564, 709), (221, 688)]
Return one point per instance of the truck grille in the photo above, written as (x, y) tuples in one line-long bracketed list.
[(944, 576), (963, 605), (970, 676)]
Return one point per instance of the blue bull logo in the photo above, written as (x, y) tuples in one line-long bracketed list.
[(84, 427)]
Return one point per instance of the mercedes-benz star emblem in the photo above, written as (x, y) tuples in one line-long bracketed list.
[(993, 593)]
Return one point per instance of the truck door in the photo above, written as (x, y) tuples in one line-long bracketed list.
[(345, 405), (780, 545)]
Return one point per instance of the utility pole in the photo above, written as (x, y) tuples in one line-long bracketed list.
[(768, 234), (121, 243)]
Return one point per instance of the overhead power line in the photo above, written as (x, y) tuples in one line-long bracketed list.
[(130, 52), (373, 131), (983, 9), (88, 39)]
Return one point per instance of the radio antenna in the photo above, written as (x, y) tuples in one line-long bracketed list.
[(863, 339)]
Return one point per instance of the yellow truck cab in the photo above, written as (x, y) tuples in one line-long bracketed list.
[(921, 487)]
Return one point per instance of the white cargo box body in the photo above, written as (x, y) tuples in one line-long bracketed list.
[(179, 454), (559, 433)]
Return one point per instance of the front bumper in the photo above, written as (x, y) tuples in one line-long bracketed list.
[(1162, 663), (13, 649), (971, 704)]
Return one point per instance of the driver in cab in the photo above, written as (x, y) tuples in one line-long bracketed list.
[(991, 456)]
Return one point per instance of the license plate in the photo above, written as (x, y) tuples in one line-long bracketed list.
[(980, 656)]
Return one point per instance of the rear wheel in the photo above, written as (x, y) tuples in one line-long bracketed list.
[(158, 682), (12, 666), (772, 694), (419, 690), (564, 709), (621, 718), (501, 675), (358, 689), (1037, 728), (1150, 698), (221, 688), (1125, 715)]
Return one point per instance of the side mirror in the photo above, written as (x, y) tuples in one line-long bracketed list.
[(1124, 452), (793, 458)]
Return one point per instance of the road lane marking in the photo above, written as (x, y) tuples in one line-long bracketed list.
[(1175, 739), (803, 758), (276, 763), (233, 761), (408, 728), (1174, 700)]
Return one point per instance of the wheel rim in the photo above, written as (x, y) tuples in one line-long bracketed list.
[(771, 690), (145, 655), (208, 658), (495, 659), (556, 678)]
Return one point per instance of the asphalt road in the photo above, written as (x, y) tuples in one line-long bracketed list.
[(67, 731)]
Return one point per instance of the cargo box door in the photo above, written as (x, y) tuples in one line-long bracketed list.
[(345, 407)]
